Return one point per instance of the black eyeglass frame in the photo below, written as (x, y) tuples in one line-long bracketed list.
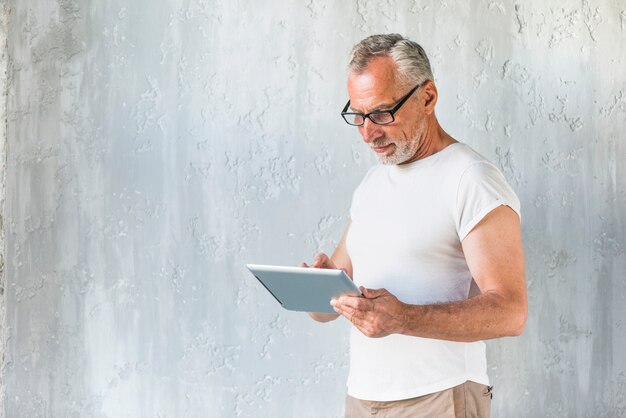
[(391, 111)]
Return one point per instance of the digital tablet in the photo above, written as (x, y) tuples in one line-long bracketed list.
[(304, 289)]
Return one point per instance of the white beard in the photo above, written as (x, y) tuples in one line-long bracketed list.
[(402, 152)]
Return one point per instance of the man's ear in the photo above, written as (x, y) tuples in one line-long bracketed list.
[(429, 95)]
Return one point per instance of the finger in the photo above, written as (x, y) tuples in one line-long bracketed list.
[(358, 322), (350, 314), (321, 260), (336, 306), (372, 293), (361, 322), (354, 302), (318, 260), (347, 311), (303, 264)]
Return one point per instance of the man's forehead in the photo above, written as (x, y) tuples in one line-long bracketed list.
[(376, 86)]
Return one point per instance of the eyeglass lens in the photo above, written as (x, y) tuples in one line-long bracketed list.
[(378, 118)]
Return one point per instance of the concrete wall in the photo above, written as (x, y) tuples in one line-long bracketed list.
[(155, 147), (3, 140)]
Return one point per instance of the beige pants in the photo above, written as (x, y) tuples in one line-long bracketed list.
[(467, 400)]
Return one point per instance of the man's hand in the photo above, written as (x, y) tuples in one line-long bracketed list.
[(376, 315), (321, 261), (339, 260)]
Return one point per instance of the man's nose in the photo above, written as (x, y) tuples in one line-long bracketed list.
[(370, 131)]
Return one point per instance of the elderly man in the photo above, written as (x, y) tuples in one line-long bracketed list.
[(433, 242)]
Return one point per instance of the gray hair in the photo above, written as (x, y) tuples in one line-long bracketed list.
[(410, 58)]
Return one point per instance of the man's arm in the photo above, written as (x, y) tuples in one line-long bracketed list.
[(339, 260), (495, 257)]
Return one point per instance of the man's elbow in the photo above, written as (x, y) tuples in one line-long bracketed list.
[(323, 317), (518, 322)]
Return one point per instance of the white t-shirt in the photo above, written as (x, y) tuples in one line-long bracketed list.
[(408, 222)]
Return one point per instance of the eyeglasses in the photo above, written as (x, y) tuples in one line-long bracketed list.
[(379, 117)]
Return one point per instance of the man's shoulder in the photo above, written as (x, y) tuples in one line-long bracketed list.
[(464, 155)]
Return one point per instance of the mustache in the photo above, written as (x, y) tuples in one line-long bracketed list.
[(379, 143)]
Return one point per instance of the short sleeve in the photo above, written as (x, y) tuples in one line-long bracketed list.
[(482, 188)]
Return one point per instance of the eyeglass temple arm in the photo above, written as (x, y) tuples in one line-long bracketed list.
[(345, 108), (404, 99)]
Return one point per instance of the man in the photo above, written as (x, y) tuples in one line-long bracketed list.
[(433, 242)]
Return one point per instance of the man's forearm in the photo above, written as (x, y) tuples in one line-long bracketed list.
[(486, 316), (323, 317)]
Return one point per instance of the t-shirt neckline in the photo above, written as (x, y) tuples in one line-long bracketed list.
[(421, 162)]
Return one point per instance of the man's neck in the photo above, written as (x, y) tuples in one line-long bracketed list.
[(434, 140)]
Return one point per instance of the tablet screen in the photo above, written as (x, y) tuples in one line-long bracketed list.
[(304, 289)]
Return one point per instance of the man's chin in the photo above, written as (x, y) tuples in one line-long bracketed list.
[(387, 159), (395, 157)]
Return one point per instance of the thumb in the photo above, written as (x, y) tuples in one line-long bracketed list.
[(372, 293), (320, 261)]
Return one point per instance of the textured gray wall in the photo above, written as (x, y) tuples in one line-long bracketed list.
[(154, 148), (3, 140)]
